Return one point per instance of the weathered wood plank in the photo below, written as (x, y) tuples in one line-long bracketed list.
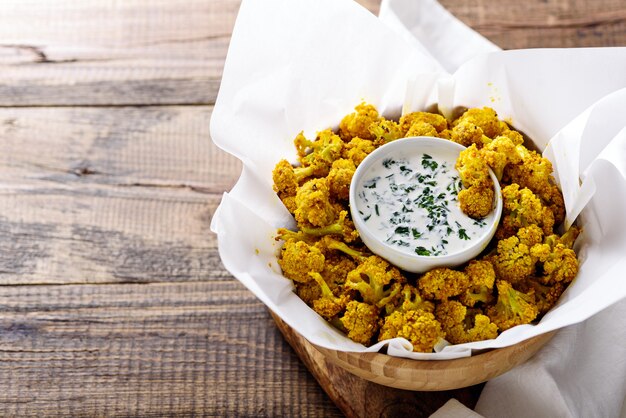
[(206, 348), (545, 24), (164, 146), (102, 234), (135, 52), (93, 195)]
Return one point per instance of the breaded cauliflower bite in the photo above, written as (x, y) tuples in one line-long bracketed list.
[(376, 280), (313, 205), (420, 328), (443, 283), (518, 278), (521, 207), (385, 131), (486, 119), (298, 259), (437, 122), (340, 177), (357, 124), (362, 321), (513, 307), (463, 325)]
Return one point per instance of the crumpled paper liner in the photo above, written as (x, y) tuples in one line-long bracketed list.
[(303, 65)]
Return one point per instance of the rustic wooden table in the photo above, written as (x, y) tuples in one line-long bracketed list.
[(113, 298)]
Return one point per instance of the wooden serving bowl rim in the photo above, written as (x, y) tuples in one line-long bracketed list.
[(426, 375)]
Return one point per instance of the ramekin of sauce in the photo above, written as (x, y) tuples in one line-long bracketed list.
[(403, 201)]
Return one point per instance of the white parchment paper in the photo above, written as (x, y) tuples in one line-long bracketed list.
[(303, 65)]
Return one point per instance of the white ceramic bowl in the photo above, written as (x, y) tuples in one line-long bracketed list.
[(407, 261)]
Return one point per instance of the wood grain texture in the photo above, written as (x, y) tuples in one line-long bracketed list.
[(545, 23), (167, 349), (94, 52), (113, 300)]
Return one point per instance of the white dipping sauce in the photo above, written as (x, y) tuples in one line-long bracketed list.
[(410, 203)]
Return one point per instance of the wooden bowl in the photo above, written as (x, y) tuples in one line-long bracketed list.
[(420, 375)]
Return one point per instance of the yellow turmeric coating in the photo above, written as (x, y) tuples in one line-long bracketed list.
[(477, 200), (298, 259), (513, 307), (436, 121), (499, 153), (358, 123), (472, 168), (421, 129), (463, 325), (522, 208), (385, 131), (466, 133), (313, 205), (443, 283), (482, 278), (362, 321), (486, 119), (340, 177), (376, 280), (420, 328), (357, 149)]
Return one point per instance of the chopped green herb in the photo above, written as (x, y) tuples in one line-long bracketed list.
[(428, 162), (480, 222), (463, 234), (371, 184), (402, 230), (388, 162), (422, 251)]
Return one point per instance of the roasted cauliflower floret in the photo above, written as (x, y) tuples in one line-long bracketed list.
[(513, 307), (317, 156), (522, 208), (298, 259), (358, 123), (546, 296), (472, 168), (336, 269), (421, 129), (436, 121), (313, 205), (513, 260), (410, 300), (376, 280), (361, 321), (443, 283), (533, 171), (467, 133), (285, 184), (477, 201), (327, 305), (385, 131), (463, 325), (339, 178), (419, 327), (498, 154), (308, 291), (482, 277), (485, 118), (552, 198), (357, 149), (557, 262)]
